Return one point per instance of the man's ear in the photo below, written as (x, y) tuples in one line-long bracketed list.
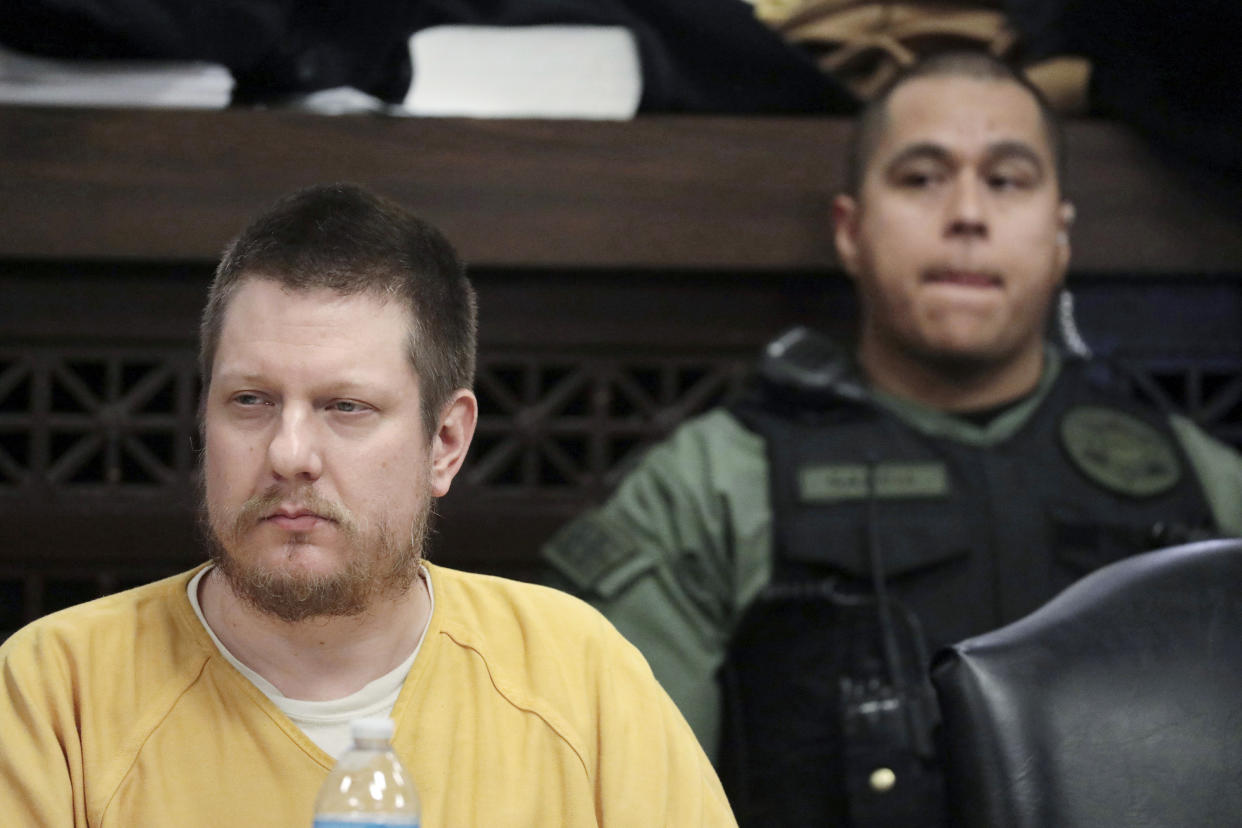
[(1065, 220), (452, 440), (845, 232)]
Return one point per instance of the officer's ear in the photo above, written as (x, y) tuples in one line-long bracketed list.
[(845, 212), (1065, 220)]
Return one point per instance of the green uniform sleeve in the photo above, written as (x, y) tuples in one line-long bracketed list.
[(675, 556), (1219, 469)]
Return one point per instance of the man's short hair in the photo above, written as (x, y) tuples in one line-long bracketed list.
[(349, 240), (872, 119)]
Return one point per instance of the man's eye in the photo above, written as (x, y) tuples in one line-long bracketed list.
[(917, 179), (1011, 180), (248, 399), (348, 406)]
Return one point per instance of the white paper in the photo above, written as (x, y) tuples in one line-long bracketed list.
[(28, 79), (557, 71)]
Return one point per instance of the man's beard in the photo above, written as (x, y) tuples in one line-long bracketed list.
[(381, 560)]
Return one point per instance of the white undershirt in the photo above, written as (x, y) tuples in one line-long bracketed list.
[(325, 722)]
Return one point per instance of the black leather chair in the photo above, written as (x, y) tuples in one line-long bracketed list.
[(1116, 704)]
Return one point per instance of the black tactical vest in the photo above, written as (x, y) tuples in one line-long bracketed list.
[(889, 543)]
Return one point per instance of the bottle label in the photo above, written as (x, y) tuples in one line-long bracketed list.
[(364, 822)]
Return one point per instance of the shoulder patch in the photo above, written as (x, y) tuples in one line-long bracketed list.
[(1119, 451), (594, 559)]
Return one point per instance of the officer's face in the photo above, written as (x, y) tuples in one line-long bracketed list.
[(957, 239)]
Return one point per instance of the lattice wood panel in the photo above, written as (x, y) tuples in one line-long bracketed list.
[(99, 420), (550, 423), (1207, 389), (115, 430), (123, 421)]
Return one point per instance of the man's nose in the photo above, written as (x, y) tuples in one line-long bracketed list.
[(294, 451), (967, 216)]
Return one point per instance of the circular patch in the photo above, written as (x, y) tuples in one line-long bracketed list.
[(1119, 451)]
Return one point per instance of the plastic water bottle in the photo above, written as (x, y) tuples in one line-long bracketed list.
[(368, 785)]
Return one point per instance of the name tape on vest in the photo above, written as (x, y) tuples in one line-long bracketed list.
[(893, 481)]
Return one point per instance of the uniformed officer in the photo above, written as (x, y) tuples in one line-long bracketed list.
[(787, 565)]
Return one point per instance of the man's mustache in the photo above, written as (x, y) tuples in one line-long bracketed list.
[(264, 505)]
